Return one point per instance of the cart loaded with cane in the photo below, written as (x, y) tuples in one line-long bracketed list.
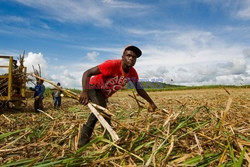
[(12, 82)]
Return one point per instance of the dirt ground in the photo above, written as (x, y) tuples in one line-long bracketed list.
[(214, 99), (42, 138)]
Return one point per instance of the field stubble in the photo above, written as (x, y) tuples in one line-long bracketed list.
[(206, 127)]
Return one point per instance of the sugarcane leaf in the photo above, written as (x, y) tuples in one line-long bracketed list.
[(240, 161), (4, 135)]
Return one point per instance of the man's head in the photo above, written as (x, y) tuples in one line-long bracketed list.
[(135, 49), (130, 54), (40, 81), (58, 84)]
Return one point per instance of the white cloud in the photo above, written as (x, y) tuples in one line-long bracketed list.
[(199, 73), (246, 53), (70, 76), (11, 19), (193, 58), (93, 55), (90, 11), (4, 62), (244, 11), (34, 60), (124, 4), (194, 39), (73, 11), (67, 77), (234, 9)]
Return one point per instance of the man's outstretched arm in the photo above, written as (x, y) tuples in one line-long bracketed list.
[(145, 96), (84, 98)]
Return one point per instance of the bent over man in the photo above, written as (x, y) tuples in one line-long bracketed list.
[(102, 81)]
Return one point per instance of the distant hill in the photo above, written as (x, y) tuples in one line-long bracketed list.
[(154, 85), (159, 86)]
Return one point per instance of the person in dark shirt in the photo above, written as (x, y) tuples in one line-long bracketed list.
[(15, 66), (38, 95)]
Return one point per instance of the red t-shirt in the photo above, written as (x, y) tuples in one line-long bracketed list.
[(112, 77)]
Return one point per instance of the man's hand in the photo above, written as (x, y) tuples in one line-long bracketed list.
[(37, 97), (84, 98), (152, 107)]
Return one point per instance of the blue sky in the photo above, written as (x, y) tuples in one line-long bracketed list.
[(188, 42)]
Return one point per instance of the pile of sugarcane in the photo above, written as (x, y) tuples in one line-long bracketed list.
[(18, 79), (3, 87)]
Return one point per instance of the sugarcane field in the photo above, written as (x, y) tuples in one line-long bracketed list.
[(190, 127)]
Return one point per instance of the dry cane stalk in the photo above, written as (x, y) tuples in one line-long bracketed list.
[(104, 123), (136, 99), (224, 113), (78, 135), (76, 142), (223, 156), (198, 143), (68, 131), (22, 147), (45, 114), (209, 138), (181, 159), (170, 149), (6, 118)]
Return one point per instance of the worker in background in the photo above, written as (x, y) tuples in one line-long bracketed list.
[(57, 98), (16, 89), (14, 62), (38, 95)]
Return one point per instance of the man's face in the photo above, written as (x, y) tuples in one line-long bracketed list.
[(129, 58), (39, 81)]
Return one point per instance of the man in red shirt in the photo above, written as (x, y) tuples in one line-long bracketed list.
[(100, 82)]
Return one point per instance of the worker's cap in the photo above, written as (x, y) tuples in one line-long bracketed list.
[(135, 49)]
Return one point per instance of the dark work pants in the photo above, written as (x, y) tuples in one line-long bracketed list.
[(57, 101), (98, 98), (38, 104)]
